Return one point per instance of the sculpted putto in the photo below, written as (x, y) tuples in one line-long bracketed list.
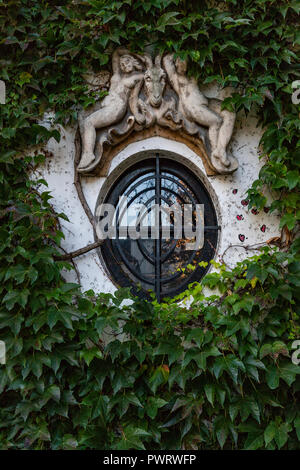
[(126, 74), (144, 92), (195, 107)]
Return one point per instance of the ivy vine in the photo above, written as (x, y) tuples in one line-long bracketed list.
[(91, 371)]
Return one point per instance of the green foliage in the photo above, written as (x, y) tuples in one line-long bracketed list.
[(117, 372), (98, 372), (252, 45)]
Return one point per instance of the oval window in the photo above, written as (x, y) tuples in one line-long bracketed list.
[(156, 261)]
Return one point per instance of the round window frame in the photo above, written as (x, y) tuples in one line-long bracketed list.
[(135, 167)]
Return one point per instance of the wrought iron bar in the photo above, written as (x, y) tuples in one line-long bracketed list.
[(158, 222)]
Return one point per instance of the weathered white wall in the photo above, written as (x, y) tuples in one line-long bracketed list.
[(58, 171)]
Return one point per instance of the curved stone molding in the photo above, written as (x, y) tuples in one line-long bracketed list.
[(103, 166), (149, 98)]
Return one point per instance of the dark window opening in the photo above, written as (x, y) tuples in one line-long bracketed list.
[(159, 265)]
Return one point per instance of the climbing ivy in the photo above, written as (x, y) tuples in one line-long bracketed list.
[(94, 371)]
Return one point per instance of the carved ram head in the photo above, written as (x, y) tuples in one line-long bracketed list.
[(154, 81)]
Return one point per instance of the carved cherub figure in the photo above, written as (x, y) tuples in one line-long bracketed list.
[(127, 73), (193, 105)]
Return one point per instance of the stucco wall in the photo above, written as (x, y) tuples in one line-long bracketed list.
[(240, 226)]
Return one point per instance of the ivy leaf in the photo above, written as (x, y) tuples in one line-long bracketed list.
[(281, 435), (288, 220), (288, 373), (132, 438), (222, 436), (210, 393), (270, 432), (297, 426), (254, 441), (272, 377), (167, 19), (69, 442), (89, 354), (293, 178), (159, 376), (53, 392), (153, 405)]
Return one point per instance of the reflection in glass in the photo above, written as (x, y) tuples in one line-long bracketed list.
[(159, 265)]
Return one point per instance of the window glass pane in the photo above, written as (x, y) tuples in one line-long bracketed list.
[(157, 264)]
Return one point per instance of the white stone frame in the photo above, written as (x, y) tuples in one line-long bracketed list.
[(58, 171), (139, 151)]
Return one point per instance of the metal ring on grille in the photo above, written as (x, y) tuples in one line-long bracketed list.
[(160, 264)]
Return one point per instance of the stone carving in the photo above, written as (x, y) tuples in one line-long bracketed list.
[(144, 93), (126, 74), (194, 107)]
